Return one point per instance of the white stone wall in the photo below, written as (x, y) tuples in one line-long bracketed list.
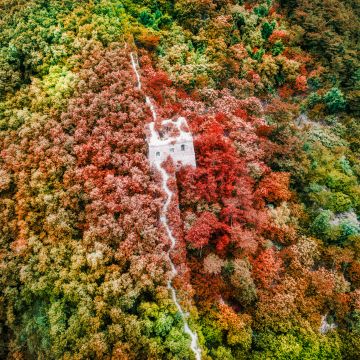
[(182, 153), (179, 147)]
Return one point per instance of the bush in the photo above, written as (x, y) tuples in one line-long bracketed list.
[(267, 29), (278, 48), (261, 11), (321, 224), (348, 228), (336, 202), (339, 202), (334, 100), (313, 99), (146, 18)]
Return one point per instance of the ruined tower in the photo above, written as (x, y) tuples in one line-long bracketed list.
[(173, 139)]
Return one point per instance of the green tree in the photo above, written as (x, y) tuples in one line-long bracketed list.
[(334, 100), (267, 29)]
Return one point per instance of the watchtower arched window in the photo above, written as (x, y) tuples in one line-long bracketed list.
[(183, 147), (158, 153), (172, 149)]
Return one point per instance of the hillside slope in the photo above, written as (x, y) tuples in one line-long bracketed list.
[(252, 254)]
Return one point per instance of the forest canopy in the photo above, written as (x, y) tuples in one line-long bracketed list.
[(267, 225)]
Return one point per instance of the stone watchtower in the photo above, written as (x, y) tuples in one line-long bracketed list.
[(174, 139)]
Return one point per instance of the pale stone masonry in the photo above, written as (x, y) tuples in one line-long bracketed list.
[(175, 141)]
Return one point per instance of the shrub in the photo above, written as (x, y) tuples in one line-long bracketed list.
[(321, 224), (267, 29), (339, 202), (278, 48), (313, 99), (334, 100), (261, 10)]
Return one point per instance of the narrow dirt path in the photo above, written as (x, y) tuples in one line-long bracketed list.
[(194, 345)]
